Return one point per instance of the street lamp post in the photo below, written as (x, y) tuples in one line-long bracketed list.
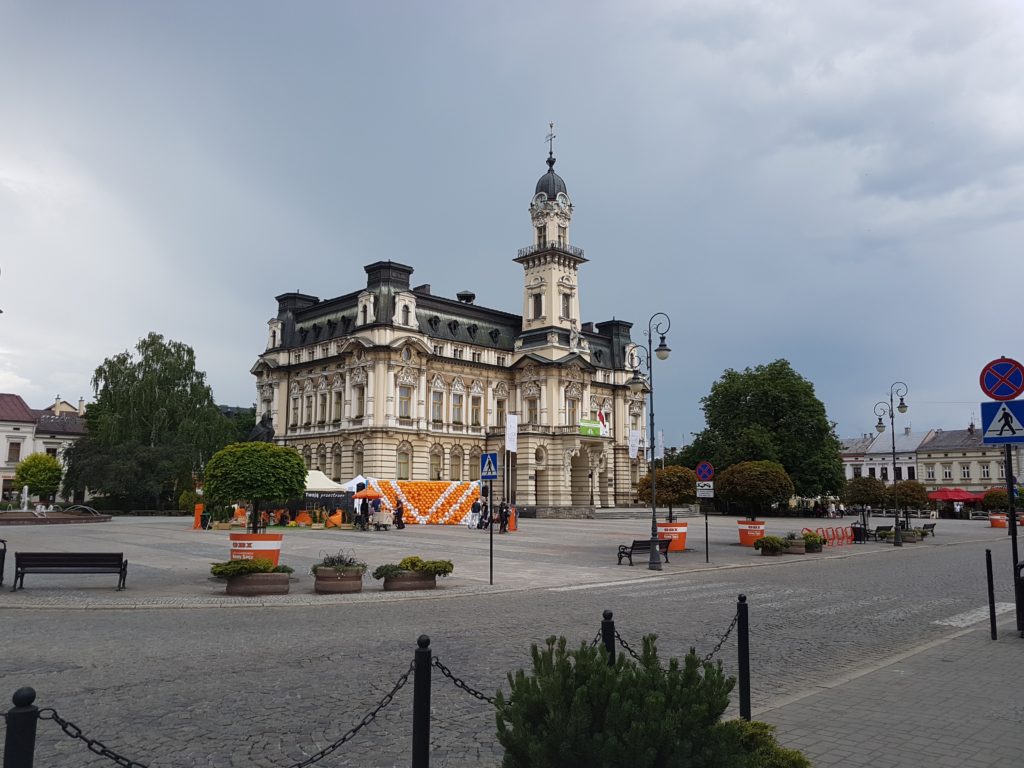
[(637, 385), (898, 389)]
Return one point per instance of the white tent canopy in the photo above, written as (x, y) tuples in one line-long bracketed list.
[(352, 485), (319, 482)]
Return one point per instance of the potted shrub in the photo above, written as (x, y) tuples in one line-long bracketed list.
[(339, 573), (770, 545), (412, 573), (813, 542), (253, 577), (754, 485), (319, 519), (795, 544)]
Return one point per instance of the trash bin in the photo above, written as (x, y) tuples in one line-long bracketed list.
[(858, 534)]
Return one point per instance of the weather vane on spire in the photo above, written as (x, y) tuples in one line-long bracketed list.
[(550, 139)]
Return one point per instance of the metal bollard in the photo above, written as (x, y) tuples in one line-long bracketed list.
[(1018, 595), (991, 594), (743, 647), (421, 705), (20, 743), (608, 636)]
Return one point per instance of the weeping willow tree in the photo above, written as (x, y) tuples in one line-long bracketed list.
[(152, 427)]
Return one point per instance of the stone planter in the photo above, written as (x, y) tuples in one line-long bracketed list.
[(328, 581), (222, 526), (766, 553), (794, 547), (910, 538), (253, 584), (410, 580), (812, 548), (317, 526)]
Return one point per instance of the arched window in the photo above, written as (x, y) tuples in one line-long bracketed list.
[(436, 462), (336, 462), (474, 464), (403, 462), (307, 457), (357, 459), (455, 471), (405, 314), (321, 459)]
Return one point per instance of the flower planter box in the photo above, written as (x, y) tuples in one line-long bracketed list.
[(328, 581), (766, 553), (410, 580), (253, 584), (795, 547), (317, 526), (812, 548)]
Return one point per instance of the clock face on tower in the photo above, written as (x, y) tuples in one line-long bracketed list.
[(563, 200)]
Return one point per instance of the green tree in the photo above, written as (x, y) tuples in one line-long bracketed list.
[(995, 498), (769, 413), (908, 494), (151, 428), (254, 472), (675, 485), (864, 492), (754, 485), (40, 472)]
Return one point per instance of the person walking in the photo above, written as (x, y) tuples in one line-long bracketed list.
[(503, 516), (485, 517), (399, 511), (474, 516)]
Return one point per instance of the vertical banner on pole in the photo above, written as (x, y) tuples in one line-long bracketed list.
[(512, 433), (659, 446), (634, 443)]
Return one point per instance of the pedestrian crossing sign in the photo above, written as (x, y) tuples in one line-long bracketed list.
[(488, 466), (1003, 422)]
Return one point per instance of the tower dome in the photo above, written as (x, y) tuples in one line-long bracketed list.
[(550, 183)]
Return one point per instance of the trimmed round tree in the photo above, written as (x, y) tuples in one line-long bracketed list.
[(676, 485), (995, 499), (908, 494), (41, 472), (754, 484), (864, 491), (254, 472)]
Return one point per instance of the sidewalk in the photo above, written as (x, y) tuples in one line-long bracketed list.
[(957, 702)]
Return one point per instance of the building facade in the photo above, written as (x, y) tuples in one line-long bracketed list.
[(394, 382), (957, 458), (24, 431)]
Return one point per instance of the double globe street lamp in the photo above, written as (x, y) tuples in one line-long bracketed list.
[(638, 384), (898, 389)]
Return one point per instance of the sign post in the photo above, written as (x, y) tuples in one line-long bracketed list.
[(1002, 423), (489, 472), (705, 473)]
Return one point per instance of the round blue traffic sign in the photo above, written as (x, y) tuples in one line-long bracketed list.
[(1002, 379), (705, 471)]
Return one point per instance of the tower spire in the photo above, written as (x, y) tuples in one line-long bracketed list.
[(550, 139)]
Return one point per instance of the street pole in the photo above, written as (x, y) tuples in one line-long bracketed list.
[(490, 524), (707, 547), (1008, 459), (898, 389)]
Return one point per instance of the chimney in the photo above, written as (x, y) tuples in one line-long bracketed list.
[(906, 430), (587, 328), (424, 289), (970, 428), (81, 406), (466, 297), (56, 404)]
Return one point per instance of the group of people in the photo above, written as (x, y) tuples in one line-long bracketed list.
[(832, 510), (368, 512), (480, 516)]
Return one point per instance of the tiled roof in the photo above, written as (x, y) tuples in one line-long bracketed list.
[(856, 444), (13, 408), (956, 440), (904, 443), (60, 425)]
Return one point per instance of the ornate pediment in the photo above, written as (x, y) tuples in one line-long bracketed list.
[(528, 373), (407, 377), (458, 385), (573, 372), (438, 382), (476, 387), (322, 384), (531, 389), (501, 389), (574, 390), (358, 376), (307, 386), (636, 408), (294, 388), (338, 381)]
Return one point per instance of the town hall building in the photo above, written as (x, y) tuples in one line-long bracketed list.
[(391, 381)]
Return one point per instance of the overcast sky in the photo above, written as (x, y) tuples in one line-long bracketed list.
[(837, 183)]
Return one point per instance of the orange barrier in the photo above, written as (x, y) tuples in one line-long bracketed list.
[(848, 535), (197, 519), (998, 521), (512, 525)]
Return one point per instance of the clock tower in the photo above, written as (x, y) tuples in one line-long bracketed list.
[(551, 302)]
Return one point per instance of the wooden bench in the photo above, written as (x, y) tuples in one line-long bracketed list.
[(642, 545), (929, 528), (69, 562)]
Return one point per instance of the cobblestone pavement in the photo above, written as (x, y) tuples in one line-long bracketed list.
[(846, 641)]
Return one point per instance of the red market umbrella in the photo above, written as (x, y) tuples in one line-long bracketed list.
[(953, 494)]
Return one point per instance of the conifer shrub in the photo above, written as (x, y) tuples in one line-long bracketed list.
[(575, 711)]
